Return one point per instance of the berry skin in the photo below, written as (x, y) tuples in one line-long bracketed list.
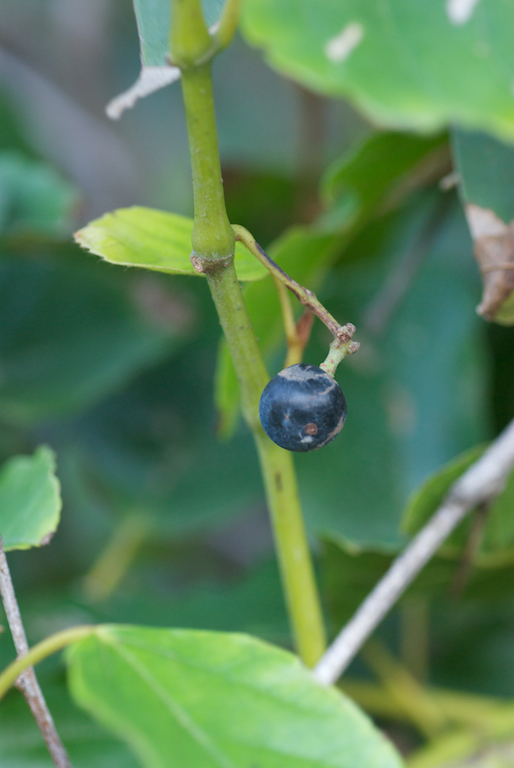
[(302, 408)]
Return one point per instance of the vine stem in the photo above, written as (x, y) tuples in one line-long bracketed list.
[(483, 481), (213, 242), (25, 676), (37, 653)]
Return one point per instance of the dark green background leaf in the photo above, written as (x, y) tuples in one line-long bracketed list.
[(73, 333), (34, 199)]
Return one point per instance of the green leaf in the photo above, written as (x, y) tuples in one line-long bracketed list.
[(415, 392), (153, 22), (142, 447), (486, 172), (378, 174), (195, 699), (499, 532), (351, 572), (428, 498), (30, 500), (253, 603), (363, 184), (34, 199), (406, 67), (150, 239), (74, 333)]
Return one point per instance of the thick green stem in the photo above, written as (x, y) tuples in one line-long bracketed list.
[(213, 237), (277, 469), (293, 551), (250, 369), (213, 248), (39, 652), (189, 36)]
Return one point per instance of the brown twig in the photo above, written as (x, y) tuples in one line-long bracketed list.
[(473, 544), (27, 682), (304, 295)]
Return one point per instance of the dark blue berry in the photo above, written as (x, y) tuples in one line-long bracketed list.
[(302, 408)]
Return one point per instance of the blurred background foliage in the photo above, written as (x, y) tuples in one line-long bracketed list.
[(164, 520)]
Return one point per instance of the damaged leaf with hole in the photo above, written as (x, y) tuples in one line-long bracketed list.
[(486, 173)]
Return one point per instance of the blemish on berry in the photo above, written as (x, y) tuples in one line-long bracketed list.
[(310, 429)]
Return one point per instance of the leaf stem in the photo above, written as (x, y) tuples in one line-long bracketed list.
[(294, 345), (111, 566), (39, 652), (25, 677), (213, 248), (228, 22)]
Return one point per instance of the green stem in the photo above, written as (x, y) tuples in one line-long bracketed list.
[(213, 238), (213, 248), (228, 22), (405, 689), (39, 652), (277, 469), (337, 352), (293, 551), (189, 37), (295, 346), (111, 566)]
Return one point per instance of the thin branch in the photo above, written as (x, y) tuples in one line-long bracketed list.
[(342, 333), (27, 682), (484, 480)]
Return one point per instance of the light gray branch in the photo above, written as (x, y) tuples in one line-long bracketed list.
[(27, 682), (484, 480)]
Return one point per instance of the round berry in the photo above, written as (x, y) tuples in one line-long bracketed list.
[(302, 408)]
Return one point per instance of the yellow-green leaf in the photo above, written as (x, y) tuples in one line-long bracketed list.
[(195, 699), (157, 240)]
